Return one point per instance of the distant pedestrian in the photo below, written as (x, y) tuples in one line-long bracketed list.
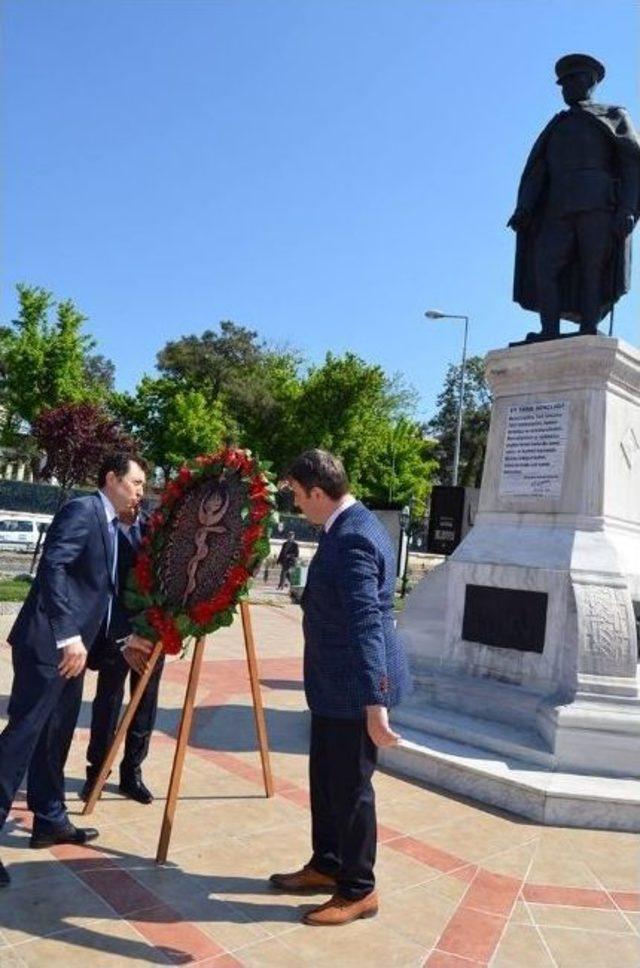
[(289, 554)]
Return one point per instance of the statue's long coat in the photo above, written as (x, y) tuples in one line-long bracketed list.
[(616, 277)]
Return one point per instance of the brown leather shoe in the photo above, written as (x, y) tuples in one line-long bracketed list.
[(342, 910), (305, 880)]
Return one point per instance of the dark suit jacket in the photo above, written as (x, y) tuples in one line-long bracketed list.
[(107, 643), (353, 656), (70, 594)]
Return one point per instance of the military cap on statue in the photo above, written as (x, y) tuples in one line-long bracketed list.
[(573, 63)]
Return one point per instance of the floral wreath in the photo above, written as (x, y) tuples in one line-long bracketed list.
[(154, 617)]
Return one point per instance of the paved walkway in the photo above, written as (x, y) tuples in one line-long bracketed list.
[(461, 885)]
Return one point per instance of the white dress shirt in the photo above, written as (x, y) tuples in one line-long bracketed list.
[(345, 503)]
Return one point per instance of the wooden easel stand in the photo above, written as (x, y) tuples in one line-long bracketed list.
[(184, 729)]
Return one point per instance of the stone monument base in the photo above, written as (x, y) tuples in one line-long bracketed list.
[(523, 644), (509, 768)]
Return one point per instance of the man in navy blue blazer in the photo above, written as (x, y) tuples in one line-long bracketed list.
[(354, 670), (72, 597), (114, 665)]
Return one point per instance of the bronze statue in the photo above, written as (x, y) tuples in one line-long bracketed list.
[(578, 202)]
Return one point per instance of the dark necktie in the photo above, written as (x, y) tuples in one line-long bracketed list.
[(113, 531), (134, 535)]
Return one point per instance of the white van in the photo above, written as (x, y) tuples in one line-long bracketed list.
[(19, 534)]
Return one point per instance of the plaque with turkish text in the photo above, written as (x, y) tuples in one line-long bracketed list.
[(534, 449)]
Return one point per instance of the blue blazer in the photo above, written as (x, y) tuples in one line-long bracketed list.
[(70, 594), (352, 654)]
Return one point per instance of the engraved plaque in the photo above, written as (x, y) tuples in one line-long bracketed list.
[(534, 448), (606, 630), (204, 537), (505, 618)]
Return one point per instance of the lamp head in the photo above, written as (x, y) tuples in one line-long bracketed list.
[(435, 314)]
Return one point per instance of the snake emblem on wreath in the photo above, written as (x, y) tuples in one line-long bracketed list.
[(211, 512)]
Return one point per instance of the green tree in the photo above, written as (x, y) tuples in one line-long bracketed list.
[(347, 406), (404, 468), (215, 362), (173, 422), (43, 362), (258, 384), (100, 372), (476, 413), (266, 410)]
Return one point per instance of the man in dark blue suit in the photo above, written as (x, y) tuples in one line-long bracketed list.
[(114, 664), (71, 598), (354, 671)]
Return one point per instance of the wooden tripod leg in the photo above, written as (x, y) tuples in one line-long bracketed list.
[(179, 755), (121, 731), (258, 709)]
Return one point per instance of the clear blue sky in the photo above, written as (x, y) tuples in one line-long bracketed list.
[(320, 170)]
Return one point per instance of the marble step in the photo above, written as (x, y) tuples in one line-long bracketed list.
[(485, 734), (524, 788)]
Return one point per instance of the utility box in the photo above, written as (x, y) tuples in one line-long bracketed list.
[(452, 514)]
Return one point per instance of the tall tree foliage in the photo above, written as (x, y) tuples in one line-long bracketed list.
[(344, 406), (44, 361), (476, 414), (403, 469), (256, 383), (172, 421), (267, 402)]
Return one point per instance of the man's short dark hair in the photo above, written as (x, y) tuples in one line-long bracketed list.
[(118, 462), (319, 468)]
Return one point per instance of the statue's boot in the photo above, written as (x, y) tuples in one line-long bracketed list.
[(550, 328)]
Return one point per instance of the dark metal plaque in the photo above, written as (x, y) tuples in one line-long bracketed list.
[(204, 536), (506, 618)]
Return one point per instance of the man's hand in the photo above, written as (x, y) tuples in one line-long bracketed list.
[(74, 659), (520, 220), (623, 223), (136, 653), (378, 727)]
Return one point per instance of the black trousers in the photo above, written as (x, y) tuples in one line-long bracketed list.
[(342, 759), (105, 712), (43, 711)]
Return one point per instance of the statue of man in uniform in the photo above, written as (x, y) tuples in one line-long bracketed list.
[(578, 202)]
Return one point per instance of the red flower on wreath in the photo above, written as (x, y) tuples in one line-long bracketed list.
[(184, 476), (258, 489), (143, 573), (171, 493), (250, 536), (259, 510), (237, 576)]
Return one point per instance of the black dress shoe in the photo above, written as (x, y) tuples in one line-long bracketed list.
[(5, 880), (136, 790), (65, 834)]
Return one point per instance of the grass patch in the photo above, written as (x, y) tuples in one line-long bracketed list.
[(14, 589)]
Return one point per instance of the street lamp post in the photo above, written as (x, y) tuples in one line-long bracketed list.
[(405, 524), (436, 314)]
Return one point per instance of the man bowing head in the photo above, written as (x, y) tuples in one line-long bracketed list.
[(354, 670), (72, 598)]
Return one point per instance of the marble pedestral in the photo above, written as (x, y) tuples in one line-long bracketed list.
[(523, 644)]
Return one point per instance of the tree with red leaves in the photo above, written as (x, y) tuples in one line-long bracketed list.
[(75, 438)]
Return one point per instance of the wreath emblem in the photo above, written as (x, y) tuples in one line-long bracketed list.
[(203, 543)]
